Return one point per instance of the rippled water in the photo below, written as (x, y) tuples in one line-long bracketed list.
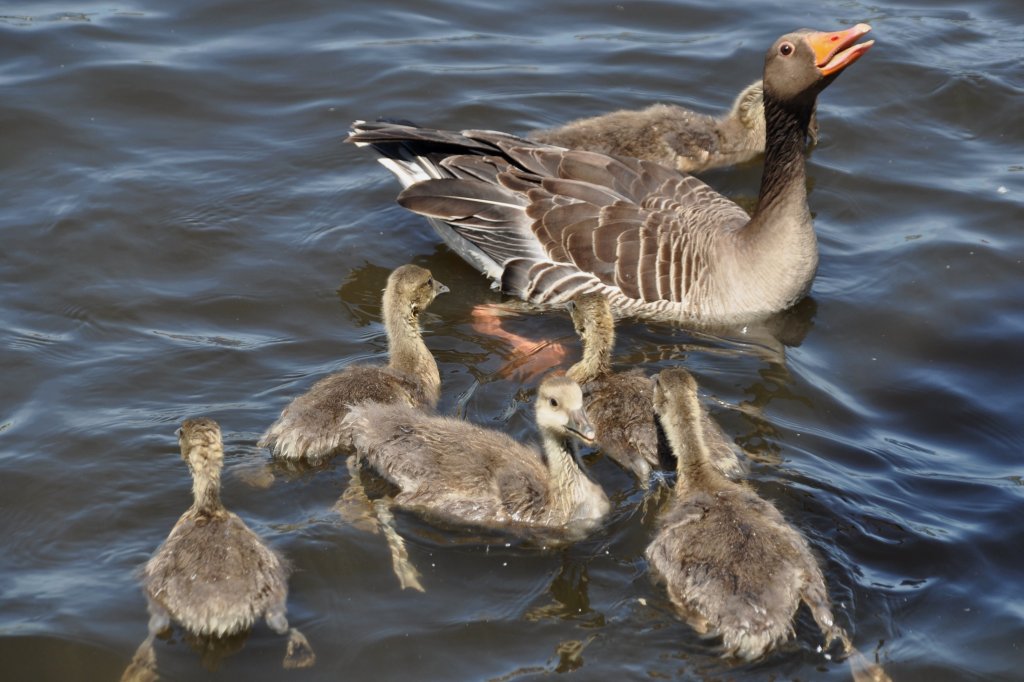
[(184, 233)]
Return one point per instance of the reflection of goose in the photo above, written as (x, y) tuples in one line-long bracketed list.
[(309, 428), (673, 136), (455, 472), (212, 574), (548, 224), (732, 564), (620, 405)]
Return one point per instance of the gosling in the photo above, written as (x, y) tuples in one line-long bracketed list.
[(310, 427), (457, 473), (732, 565), (620, 404), (674, 136), (213, 575)]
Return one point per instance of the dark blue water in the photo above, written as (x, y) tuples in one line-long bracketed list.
[(184, 233)]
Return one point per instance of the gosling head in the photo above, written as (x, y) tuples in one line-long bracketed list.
[(413, 288), (560, 409), (592, 315), (675, 390), (201, 446)]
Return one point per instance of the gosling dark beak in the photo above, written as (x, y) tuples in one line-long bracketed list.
[(440, 288), (581, 427), (833, 52)]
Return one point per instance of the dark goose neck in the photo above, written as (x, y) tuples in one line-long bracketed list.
[(783, 183)]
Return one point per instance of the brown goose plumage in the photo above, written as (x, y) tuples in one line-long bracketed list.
[(548, 224), (310, 427), (674, 136)]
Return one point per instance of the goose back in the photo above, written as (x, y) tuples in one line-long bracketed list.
[(549, 224)]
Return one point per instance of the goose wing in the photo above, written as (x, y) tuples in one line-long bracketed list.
[(558, 222)]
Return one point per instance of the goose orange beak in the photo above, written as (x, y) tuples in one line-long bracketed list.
[(833, 52)]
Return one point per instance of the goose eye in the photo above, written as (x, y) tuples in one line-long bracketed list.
[(553, 402), (430, 281), (786, 49)]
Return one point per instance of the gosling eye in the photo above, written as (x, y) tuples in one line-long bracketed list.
[(553, 402), (786, 49), (430, 281)]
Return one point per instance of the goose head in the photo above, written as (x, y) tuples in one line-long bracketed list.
[(560, 409), (413, 288), (801, 64)]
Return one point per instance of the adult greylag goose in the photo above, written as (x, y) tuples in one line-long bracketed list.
[(310, 427), (621, 404), (732, 565), (213, 575), (547, 223), (674, 136), (454, 472)]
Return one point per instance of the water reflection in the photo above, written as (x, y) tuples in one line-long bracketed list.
[(570, 599), (211, 651)]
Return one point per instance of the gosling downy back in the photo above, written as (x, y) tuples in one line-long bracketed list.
[(733, 567), (213, 575), (461, 473), (674, 136)]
